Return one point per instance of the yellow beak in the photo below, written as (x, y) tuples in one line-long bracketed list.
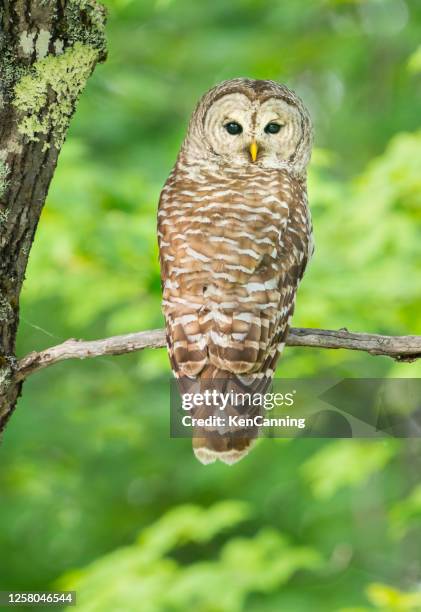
[(253, 150)]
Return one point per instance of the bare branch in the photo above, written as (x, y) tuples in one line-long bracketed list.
[(401, 348)]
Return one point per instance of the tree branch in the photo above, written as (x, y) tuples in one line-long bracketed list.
[(401, 348)]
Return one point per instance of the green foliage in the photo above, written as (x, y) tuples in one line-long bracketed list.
[(388, 599), (145, 572), (345, 463), (414, 62), (406, 514), (87, 463)]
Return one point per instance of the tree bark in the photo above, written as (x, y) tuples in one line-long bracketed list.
[(48, 49)]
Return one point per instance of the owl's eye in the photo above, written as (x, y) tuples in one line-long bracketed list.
[(272, 128), (233, 128)]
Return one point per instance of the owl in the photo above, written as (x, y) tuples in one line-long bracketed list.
[(235, 236)]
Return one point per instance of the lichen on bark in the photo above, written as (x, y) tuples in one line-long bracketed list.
[(46, 97), (62, 24), (77, 31), (4, 173)]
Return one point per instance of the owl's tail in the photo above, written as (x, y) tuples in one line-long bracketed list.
[(228, 449), (226, 426)]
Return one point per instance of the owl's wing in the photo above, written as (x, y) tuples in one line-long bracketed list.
[(182, 300), (296, 250), (248, 332)]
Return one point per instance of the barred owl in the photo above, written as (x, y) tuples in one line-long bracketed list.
[(235, 236)]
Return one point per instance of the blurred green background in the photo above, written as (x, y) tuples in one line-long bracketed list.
[(94, 495)]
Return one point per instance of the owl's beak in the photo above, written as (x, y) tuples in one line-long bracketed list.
[(253, 151)]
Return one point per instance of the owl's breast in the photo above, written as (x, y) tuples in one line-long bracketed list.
[(223, 234), (230, 258)]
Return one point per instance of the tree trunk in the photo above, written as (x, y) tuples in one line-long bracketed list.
[(48, 50)]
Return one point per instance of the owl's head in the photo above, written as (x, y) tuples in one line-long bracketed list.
[(244, 121)]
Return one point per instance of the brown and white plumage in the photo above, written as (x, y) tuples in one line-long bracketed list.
[(235, 237)]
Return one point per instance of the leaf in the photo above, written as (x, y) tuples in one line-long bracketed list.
[(414, 61), (344, 463), (406, 513), (191, 524), (389, 599)]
